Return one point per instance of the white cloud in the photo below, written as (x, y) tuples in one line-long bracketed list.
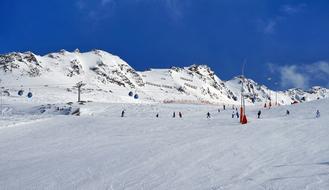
[(301, 76), (270, 27), (290, 77), (174, 7), (321, 66), (96, 11), (272, 68), (293, 9)]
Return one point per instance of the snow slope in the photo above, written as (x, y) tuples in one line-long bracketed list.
[(101, 150)]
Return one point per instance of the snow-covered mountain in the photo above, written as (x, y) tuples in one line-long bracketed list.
[(109, 78), (95, 67)]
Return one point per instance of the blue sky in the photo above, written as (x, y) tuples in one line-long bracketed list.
[(285, 40)]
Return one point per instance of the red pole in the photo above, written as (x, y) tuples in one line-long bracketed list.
[(241, 114)]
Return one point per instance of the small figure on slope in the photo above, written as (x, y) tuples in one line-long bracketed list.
[(123, 113), (287, 112), (233, 114), (180, 114), (259, 113), (173, 114), (317, 114), (208, 115)]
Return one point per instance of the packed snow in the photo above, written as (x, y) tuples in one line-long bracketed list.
[(49, 141), (43, 146)]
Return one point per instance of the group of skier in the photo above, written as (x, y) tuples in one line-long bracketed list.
[(234, 113), (179, 114), (317, 113)]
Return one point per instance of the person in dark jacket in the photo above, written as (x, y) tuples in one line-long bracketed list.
[(208, 115), (317, 114), (259, 113), (123, 113), (173, 114), (287, 112), (180, 114)]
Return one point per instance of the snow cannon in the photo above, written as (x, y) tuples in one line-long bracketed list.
[(244, 120), (136, 96), (29, 95), (20, 92), (241, 114)]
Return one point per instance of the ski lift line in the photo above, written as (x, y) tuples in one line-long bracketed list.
[(48, 85), (39, 85), (110, 88), (70, 85)]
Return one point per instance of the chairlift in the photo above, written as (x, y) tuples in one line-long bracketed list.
[(20, 92), (29, 95)]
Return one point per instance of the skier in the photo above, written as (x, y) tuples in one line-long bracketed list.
[(218, 110), (287, 112), (174, 115), (123, 113), (258, 114), (157, 115), (237, 114), (233, 114), (180, 114), (223, 107), (317, 114), (208, 115), (265, 105)]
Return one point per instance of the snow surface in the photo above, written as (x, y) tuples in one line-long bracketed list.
[(44, 146), (101, 150)]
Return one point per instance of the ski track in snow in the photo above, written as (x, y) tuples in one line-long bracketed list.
[(101, 150)]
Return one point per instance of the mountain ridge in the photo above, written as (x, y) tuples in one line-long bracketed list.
[(106, 72)]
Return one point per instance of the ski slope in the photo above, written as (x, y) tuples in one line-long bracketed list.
[(101, 150)]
